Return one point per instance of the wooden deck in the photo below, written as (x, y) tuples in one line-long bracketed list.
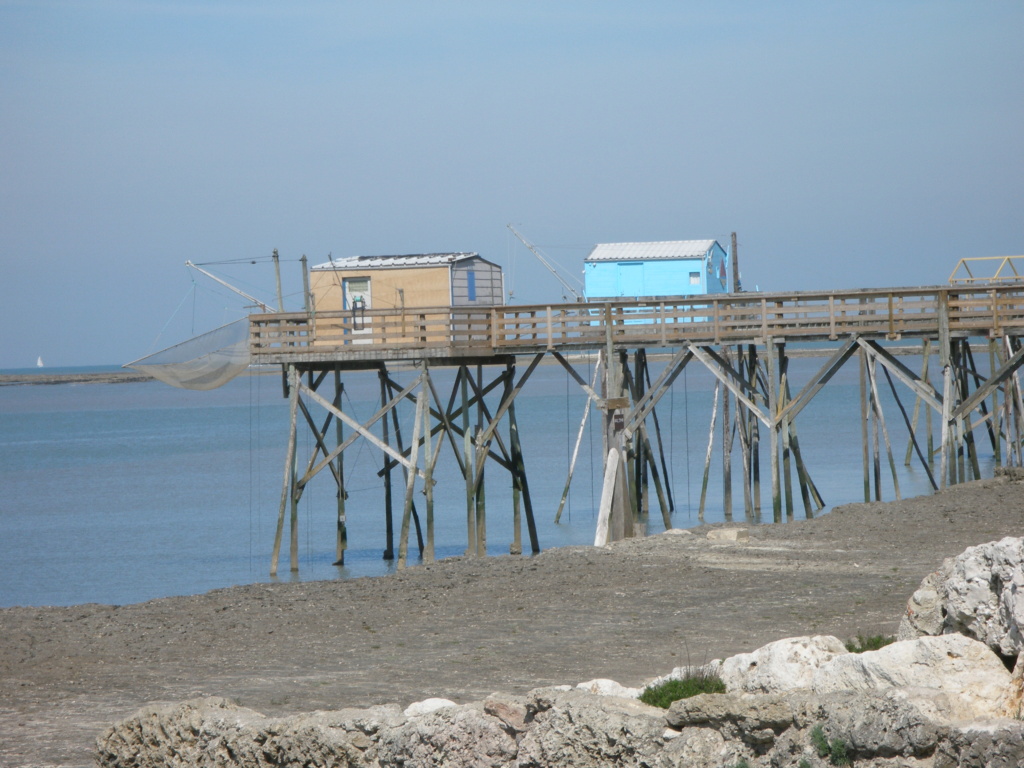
[(457, 333)]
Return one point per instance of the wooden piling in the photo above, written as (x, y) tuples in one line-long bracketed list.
[(389, 521), (726, 450), (787, 472), (429, 457), (864, 416), (289, 463), (579, 440), (410, 483), (707, 457), (773, 410), (341, 543)]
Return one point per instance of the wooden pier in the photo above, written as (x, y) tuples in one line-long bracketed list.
[(745, 340)]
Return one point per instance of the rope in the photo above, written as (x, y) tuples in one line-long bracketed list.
[(362, 443), (242, 260), (191, 290), (510, 255)]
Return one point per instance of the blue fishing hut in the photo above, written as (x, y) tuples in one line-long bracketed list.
[(646, 270)]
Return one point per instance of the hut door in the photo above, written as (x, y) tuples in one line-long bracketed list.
[(631, 278), (356, 298)]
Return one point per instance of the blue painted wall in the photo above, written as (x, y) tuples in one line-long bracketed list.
[(657, 277)]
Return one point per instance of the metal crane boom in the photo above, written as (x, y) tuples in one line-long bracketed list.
[(543, 260), (227, 285)]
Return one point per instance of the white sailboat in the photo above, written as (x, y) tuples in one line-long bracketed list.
[(39, 362)]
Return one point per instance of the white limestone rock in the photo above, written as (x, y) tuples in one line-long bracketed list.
[(985, 595), (979, 593), (604, 687), (925, 614), (215, 733), (722, 729), (729, 534), (784, 665), (450, 736), (425, 707), (967, 670), (700, 748), (572, 729)]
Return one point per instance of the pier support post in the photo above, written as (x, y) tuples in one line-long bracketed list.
[(291, 377), (341, 543), (771, 357), (389, 519), (410, 483), (615, 493), (429, 457), (727, 432), (707, 457)]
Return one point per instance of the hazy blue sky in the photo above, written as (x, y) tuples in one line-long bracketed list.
[(848, 144)]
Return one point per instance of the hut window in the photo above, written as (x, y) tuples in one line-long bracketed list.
[(695, 278), (471, 285)]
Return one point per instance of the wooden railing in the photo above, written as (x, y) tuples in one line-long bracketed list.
[(714, 319)]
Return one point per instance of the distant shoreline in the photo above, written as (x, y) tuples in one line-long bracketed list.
[(96, 377), (105, 377)]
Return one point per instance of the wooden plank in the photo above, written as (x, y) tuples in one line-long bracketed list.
[(1006, 370), (655, 392), (819, 380), (576, 447), (589, 389), (720, 369), (363, 430), (410, 486), (923, 390), (485, 436)]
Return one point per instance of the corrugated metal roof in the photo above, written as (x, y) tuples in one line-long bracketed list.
[(394, 262), (666, 249)]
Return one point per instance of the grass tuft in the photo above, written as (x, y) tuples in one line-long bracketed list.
[(872, 643), (663, 694), (834, 749)]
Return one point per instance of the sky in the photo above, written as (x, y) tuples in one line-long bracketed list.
[(849, 145)]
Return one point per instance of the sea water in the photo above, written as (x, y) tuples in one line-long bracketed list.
[(119, 493)]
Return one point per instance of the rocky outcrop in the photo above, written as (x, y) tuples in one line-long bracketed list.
[(937, 699), (214, 732), (453, 736), (779, 729), (574, 729), (979, 593), (968, 671), (784, 665)]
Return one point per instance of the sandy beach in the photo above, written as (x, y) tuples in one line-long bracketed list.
[(463, 628)]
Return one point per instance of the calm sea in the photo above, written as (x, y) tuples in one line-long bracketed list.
[(119, 493)]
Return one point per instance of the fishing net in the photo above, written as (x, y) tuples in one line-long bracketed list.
[(207, 361)]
